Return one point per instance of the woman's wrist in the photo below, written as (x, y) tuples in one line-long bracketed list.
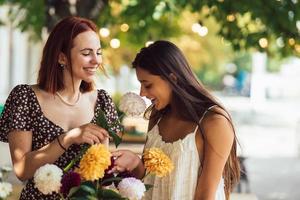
[(60, 144), (65, 140), (139, 169)]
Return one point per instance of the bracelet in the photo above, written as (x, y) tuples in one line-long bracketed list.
[(60, 144)]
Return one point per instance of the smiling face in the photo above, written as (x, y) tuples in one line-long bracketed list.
[(86, 56), (154, 88)]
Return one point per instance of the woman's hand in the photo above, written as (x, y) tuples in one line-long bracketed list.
[(125, 160), (88, 133)]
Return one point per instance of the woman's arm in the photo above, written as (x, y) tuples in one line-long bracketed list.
[(218, 140), (26, 162)]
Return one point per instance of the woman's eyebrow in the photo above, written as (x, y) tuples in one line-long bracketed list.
[(90, 49)]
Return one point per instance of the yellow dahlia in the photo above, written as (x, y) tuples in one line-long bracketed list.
[(94, 162), (157, 162)]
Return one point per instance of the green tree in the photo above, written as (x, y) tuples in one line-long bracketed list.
[(271, 26)]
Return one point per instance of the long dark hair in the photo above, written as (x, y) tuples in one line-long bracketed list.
[(50, 77), (163, 58)]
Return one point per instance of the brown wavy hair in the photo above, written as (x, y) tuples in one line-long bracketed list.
[(50, 77), (163, 58)]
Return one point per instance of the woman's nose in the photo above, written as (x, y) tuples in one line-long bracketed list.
[(142, 92), (96, 59)]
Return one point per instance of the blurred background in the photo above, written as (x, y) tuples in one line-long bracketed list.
[(246, 52)]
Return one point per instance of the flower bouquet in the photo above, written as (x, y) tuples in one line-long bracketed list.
[(91, 180)]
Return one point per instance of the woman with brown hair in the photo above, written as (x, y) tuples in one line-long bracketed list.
[(188, 124), (48, 122)]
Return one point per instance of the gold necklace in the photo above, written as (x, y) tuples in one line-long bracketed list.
[(66, 102)]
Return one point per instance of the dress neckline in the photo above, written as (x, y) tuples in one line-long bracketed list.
[(50, 121), (180, 140)]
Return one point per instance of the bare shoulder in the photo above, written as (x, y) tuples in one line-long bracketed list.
[(35, 88), (218, 130), (42, 95), (217, 118)]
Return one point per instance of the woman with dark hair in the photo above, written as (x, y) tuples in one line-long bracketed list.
[(188, 124), (50, 121)]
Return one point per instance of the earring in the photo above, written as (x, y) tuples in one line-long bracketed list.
[(62, 65)]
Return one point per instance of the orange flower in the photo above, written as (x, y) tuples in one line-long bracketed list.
[(157, 162), (94, 162)]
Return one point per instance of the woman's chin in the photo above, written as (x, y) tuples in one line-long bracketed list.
[(158, 107), (89, 79)]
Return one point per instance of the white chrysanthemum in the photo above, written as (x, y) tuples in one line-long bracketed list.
[(47, 178), (132, 104), (5, 189), (132, 188)]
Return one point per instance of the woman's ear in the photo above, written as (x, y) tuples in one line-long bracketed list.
[(62, 59), (173, 77)]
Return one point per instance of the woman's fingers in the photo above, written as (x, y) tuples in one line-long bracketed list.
[(101, 130), (117, 153), (116, 169)]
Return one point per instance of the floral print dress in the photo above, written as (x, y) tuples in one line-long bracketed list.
[(22, 112)]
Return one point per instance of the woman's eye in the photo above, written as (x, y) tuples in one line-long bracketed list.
[(85, 53)]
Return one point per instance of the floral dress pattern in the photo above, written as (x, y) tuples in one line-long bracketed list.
[(22, 112)]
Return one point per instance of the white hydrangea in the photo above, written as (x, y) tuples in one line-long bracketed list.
[(132, 104), (47, 179), (5, 189), (132, 188)]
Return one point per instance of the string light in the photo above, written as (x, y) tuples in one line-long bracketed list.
[(104, 32), (298, 25), (230, 18), (51, 11), (124, 27), (291, 41), (196, 27), (297, 48), (279, 42), (263, 42), (115, 43), (201, 30)]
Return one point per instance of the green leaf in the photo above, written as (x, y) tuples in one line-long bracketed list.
[(117, 140), (148, 186), (109, 194), (73, 190), (102, 122), (111, 180), (86, 189)]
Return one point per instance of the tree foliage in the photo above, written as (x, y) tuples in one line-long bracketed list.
[(272, 26)]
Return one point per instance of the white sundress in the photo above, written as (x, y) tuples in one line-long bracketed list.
[(181, 183)]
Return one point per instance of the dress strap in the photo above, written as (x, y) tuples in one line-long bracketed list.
[(158, 120), (208, 109), (203, 117)]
